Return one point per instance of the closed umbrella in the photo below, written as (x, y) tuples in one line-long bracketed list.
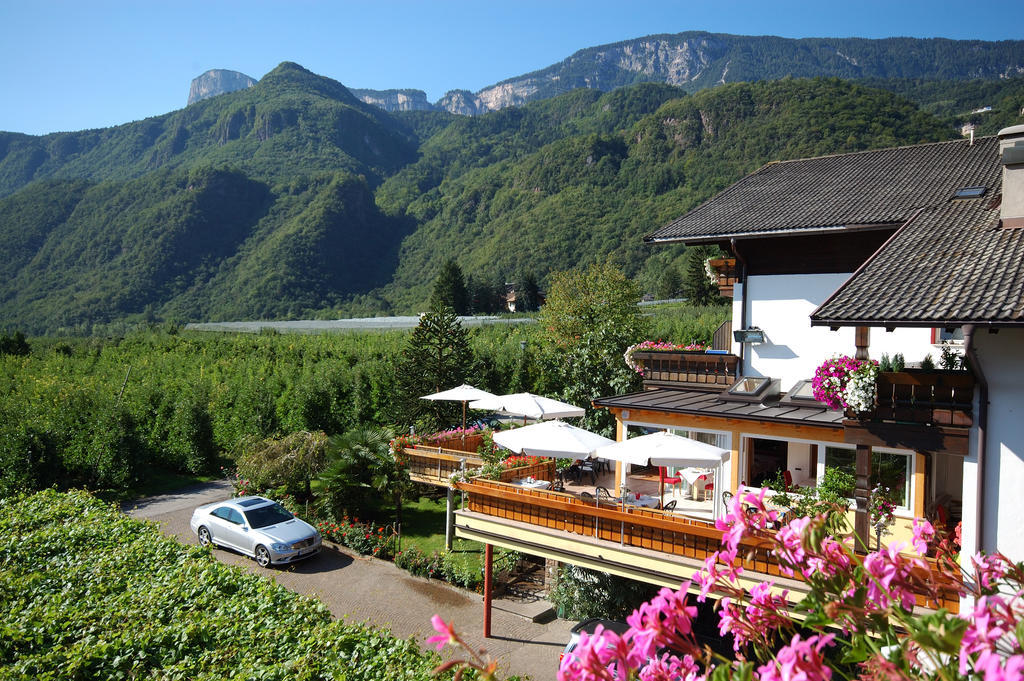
[(667, 449), (463, 393), (528, 405), (555, 439)]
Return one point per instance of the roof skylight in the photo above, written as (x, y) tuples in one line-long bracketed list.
[(970, 192)]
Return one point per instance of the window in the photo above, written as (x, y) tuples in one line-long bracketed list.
[(970, 192), (888, 469), (751, 389), (953, 336), (265, 516)]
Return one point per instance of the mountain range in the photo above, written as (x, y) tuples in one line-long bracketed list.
[(695, 60), (295, 198)]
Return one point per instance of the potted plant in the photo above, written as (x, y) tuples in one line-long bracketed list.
[(843, 382)]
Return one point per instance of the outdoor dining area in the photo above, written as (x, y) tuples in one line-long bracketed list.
[(659, 471)]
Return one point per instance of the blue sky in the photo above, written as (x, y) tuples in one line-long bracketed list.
[(92, 63)]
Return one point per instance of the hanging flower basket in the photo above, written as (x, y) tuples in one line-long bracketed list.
[(846, 383)]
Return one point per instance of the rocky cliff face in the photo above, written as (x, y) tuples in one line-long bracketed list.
[(463, 102), (696, 60), (395, 100), (216, 82)]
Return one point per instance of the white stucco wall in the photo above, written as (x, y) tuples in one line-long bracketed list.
[(1002, 358), (782, 304)]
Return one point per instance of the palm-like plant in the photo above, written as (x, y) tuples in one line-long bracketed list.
[(360, 471)]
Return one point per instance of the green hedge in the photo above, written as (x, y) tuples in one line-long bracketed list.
[(91, 594)]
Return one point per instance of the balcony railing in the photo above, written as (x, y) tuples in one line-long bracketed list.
[(687, 369), (659, 531), (436, 464), (939, 398)]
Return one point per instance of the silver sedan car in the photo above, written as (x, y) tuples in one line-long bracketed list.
[(257, 527)]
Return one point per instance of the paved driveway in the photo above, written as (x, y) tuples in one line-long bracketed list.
[(367, 590)]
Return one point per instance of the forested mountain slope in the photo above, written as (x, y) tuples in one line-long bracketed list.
[(245, 205), (594, 192), (291, 122), (292, 199)]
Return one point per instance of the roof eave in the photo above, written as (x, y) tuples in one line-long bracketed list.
[(916, 323), (793, 231)]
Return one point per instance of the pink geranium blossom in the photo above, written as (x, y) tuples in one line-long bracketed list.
[(799, 661)]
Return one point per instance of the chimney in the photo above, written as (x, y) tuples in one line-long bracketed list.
[(1011, 155)]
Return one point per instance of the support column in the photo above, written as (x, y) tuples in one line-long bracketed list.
[(488, 555), (862, 339), (862, 495), (449, 523)]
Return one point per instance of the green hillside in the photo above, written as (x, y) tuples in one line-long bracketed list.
[(594, 192), (292, 122), (293, 199)]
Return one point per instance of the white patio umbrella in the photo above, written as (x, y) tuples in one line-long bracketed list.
[(463, 393), (528, 405), (555, 439), (667, 449)]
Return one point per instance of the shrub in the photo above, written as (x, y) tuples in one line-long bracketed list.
[(290, 462), (90, 593)]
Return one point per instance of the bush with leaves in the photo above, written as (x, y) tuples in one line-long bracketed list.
[(290, 462), (361, 473), (90, 593), (591, 317), (580, 593)]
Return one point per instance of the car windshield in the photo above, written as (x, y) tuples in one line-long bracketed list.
[(265, 516)]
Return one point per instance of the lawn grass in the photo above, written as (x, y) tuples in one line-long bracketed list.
[(423, 527)]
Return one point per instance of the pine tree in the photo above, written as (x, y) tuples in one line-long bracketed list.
[(436, 358), (450, 288), (527, 293), (697, 286)]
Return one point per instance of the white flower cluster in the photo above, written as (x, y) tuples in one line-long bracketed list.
[(860, 388), (710, 271)]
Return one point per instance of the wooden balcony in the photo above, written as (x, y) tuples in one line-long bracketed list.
[(435, 465), (726, 274), (928, 411), (688, 369), (656, 547)]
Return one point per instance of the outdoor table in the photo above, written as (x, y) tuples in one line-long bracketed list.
[(645, 500), (533, 484), (692, 476)]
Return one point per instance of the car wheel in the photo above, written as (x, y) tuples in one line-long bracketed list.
[(205, 539), (262, 556)]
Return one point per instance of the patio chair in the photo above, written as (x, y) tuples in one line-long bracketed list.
[(558, 486), (587, 496), (588, 467), (664, 478), (727, 499), (670, 506), (604, 495)]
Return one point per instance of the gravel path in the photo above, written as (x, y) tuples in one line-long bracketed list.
[(367, 590)]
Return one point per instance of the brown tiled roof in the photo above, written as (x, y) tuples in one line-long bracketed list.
[(948, 266), (865, 188), (702, 403)]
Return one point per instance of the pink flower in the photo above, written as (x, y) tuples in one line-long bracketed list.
[(799, 661), (671, 668), (446, 632), (988, 569), (924, 533), (663, 622), (996, 668), (889, 577)]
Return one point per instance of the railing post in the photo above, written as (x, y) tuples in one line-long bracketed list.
[(488, 556), (862, 496), (449, 525)]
